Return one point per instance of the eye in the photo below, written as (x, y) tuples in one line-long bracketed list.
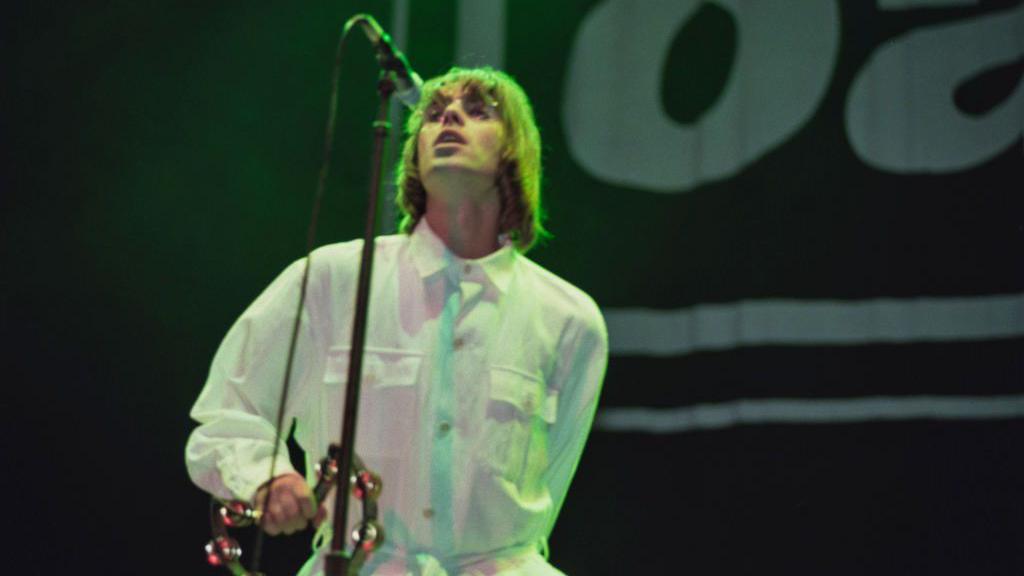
[(480, 107), (433, 113), (476, 109)]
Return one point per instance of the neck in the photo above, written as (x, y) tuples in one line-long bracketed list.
[(466, 223)]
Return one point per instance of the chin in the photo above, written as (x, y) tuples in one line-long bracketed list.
[(453, 165), (453, 173)]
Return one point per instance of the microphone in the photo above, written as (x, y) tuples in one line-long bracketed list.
[(407, 81)]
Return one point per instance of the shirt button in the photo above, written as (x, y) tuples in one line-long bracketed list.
[(444, 427), (459, 342), (467, 269), (428, 513)]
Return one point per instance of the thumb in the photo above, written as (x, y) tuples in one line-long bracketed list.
[(321, 515)]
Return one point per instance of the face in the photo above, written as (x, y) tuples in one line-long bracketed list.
[(462, 131)]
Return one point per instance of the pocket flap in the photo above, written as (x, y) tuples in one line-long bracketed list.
[(526, 393), (382, 367)]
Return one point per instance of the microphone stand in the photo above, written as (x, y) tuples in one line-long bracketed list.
[(337, 561)]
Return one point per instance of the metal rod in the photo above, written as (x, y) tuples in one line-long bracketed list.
[(337, 561)]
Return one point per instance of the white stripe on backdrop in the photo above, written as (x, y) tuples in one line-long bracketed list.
[(647, 332), (707, 327), (808, 411)]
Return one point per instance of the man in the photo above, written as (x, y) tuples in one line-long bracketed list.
[(481, 370)]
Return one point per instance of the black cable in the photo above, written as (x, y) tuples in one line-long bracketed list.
[(310, 239)]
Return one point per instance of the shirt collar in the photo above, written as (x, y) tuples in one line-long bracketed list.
[(430, 255)]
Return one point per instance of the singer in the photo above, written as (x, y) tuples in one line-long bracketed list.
[(482, 369)]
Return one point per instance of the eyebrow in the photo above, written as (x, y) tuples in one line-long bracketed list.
[(438, 98), (471, 90)]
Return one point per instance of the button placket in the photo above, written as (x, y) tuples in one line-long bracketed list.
[(439, 508)]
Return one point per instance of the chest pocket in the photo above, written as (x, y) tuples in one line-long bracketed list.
[(520, 411), (388, 403)]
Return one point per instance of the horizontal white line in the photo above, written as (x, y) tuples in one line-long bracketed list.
[(643, 331), (908, 4), (808, 411)]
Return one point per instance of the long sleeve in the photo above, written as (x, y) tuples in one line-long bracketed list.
[(229, 454), (580, 374)]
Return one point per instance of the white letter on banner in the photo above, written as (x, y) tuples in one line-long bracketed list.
[(612, 113), (900, 115)]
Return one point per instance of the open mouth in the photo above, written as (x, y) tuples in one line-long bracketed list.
[(449, 137)]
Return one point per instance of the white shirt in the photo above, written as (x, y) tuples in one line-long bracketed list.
[(480, 382)]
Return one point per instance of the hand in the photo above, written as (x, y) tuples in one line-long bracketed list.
[(291, 506)]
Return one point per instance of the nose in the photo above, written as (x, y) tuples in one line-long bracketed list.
[(452, 115)]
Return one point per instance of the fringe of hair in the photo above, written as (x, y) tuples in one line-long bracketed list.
[(519, 172)]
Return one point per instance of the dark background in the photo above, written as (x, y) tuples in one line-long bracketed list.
[(161, 162)]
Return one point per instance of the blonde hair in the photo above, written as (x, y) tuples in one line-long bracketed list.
[(519, 168)]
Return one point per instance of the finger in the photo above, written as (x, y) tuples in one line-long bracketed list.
[(260, 500), (293, 524), (308, 507), (275, 517), (321, 514), (304, 499), (267, 494), (294, 503), (282, 506), (271, 527), (303, 496), (296, 525)]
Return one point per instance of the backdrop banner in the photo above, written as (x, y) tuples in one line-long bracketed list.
[(803, 221)]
